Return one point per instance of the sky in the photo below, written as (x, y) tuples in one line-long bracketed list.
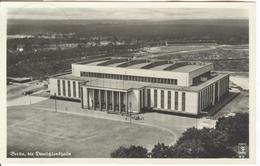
[(126, 13)]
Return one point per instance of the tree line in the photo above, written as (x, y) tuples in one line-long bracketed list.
[(218, 142)]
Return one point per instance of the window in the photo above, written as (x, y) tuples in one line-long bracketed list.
[(162, 99), (69, 92), (171, 82), (64, 87), (143, 97), (176, 101), (74, 89), (155, 98), (183, 101), (58, 83), (164, 81), (135, 78), (161, 81), (79, 89), (169, 100), (148, 97), (127, 77)]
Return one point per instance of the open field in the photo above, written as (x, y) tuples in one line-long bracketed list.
[(36, 130), (171, 51), (224, 57)]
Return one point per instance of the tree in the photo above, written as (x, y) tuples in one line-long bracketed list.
[(204, 143), (160, 150), (236, 127), (131, 152)]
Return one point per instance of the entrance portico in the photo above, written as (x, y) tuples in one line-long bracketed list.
[(109, 100)]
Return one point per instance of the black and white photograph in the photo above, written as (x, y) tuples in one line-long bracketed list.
[(129, 80)]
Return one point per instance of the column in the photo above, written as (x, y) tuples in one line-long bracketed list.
[(126, 102), (94, 101), (87, 98), (81, 97), (99, 98), (106, 100), (113, 101), (119, 103)]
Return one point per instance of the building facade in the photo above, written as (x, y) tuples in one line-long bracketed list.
[(133, 86)]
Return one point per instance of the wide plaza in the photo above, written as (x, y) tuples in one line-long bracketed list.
[(38, 127)]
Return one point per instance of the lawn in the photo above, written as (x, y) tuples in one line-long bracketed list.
[(31, 130)]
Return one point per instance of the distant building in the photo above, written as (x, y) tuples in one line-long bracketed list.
[(190, 42), (65, 46), (124, 86), (19, 79), (104, 43)]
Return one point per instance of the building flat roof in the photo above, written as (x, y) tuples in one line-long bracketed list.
[(137, 66), (72, 77), (161, 67), (180, 67), (96, 63), (188, 68), (208, 82)]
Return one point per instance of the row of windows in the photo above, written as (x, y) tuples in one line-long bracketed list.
[(169, 103), (224, 86), (69, 93), (128, 77), (58, 83), (169, 100), (183, 101), (74, 88), (68, 89), (206, 96), (155, 98), (64, 87), (176, 101), (210, 95)]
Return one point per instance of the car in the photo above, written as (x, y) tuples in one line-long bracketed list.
[(27, 92), (230, 114)]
